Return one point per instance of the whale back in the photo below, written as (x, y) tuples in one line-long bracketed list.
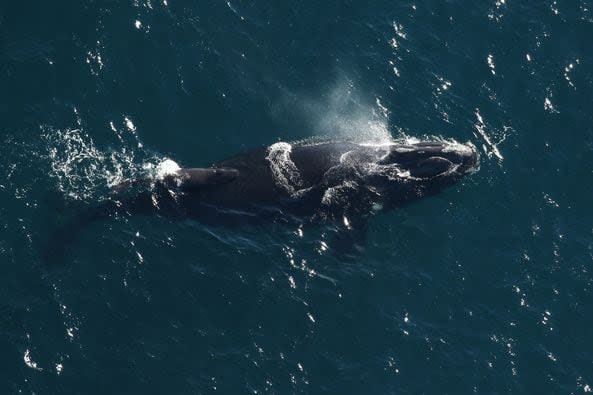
[(274, 175)]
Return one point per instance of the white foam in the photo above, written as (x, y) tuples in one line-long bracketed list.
[(490, 147), (286, 174), (339, 194), (82, 170), (29, 362), (166, 168)]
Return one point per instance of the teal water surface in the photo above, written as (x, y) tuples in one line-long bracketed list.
[(485, 288)]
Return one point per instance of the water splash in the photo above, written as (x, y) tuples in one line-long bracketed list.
[(165, 168), (83, 171), (349, 117), (490, 147)]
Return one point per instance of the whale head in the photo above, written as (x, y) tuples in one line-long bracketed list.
[(403, 172), (432, 159)]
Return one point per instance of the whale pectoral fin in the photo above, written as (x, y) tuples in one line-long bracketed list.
[(185, 179), (192, 178)]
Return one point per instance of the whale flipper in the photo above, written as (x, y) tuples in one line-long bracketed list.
[(185, 179)]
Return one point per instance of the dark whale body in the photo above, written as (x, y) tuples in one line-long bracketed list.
[(311, 180), (338, 181)]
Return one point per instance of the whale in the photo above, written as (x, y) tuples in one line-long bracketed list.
[(336, 182), (319, 179)]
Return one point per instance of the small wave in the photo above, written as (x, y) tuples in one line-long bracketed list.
[(490, 147)]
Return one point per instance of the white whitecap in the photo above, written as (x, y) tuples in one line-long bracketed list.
[(166, 168)]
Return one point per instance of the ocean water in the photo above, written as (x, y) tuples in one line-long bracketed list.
[(484, 288)]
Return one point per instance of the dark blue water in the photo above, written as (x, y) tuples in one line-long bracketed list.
[(485, 288)]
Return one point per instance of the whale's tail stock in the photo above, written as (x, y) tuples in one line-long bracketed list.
[(66, 225), (70, 219), (143, 196)]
